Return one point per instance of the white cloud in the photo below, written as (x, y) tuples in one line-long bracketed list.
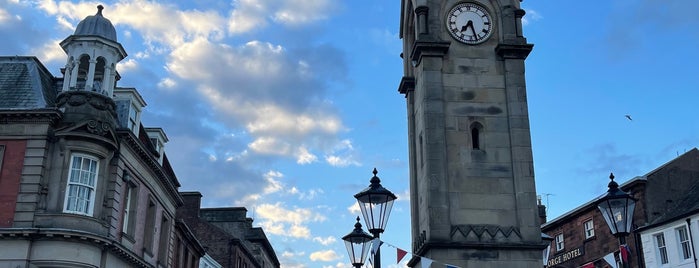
[(325, 241), (277, 213), (303, 156), (531, 15), (324, 255), (299, 231), (296, 12), (167, 82), (354, 209), (273, 185), (248, 16), (128, 65), (339, 265), (4, 16), (50, 52)]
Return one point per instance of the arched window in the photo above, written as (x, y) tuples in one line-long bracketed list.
[(476, 136), (98, 82), (83, 68)]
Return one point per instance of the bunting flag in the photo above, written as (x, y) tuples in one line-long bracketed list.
[(400, 254), (375, 244), (624, 253), (610, 259), (588, 265), (452, 266), (426, 261)]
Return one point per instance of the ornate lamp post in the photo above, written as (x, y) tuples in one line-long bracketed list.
[(357, 243), (376, 203), (617, 209)]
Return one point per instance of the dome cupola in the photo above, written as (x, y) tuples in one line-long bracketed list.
[(93, 52), (97, 25)]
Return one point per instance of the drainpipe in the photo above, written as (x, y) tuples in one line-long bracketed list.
[(691, 241)]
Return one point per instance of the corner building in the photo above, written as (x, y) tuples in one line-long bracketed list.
[(473, 197), (82, 182), (664, 228)]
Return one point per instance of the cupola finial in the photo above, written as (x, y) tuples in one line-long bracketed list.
[(99, 10)]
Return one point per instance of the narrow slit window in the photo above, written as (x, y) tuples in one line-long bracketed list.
[(476, 136)]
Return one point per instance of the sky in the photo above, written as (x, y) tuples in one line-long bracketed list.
[(286, 106)]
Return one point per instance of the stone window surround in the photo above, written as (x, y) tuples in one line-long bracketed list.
[(93, 188)]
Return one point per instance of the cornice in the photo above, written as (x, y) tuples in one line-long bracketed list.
[(134, 143), (35, 116), (76, 236)]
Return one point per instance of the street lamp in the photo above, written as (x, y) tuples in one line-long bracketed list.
[(617, 209), (376, 203), (357, 243)]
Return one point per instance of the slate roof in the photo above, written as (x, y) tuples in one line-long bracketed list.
[(26, 84), (685, 206)]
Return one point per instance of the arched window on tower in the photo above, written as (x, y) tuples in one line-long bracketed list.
[(98, 83), (476, 136), (83, 68)]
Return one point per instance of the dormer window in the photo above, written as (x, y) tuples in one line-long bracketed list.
[(158, 139), (129, 105)]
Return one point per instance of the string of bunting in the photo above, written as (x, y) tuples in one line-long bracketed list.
[(624, 252), (400, 254)]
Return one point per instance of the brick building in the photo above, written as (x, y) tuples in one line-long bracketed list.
[(227, 234), (82, 182), (582, 237)]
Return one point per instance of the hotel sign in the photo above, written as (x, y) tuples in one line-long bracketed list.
[(566, 256)]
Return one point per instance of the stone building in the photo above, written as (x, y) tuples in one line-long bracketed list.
[(473, 197), (82, 182), (582, 237), (227, 234)]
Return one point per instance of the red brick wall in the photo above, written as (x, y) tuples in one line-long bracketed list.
[(10, 175)]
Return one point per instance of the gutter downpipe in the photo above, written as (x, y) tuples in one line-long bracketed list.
[(691, 240)]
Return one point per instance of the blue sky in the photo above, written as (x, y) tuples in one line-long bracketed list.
[(286, 106)]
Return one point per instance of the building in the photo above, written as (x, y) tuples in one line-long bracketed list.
[(473, 197), (582, 237), (671, 239), (82, 182), (228, 235)]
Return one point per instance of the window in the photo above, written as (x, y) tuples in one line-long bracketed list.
[(421, 148), (2, 152), (589, 229), (133, 119), (661, 248), (164, 241), (82, 178), (150, 227), (683, 239), (476, 135), (130, 201), (559, 242)]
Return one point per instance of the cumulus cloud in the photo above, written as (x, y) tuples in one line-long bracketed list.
[(325, 241), (50, 52), (324, 255), (278, 220)]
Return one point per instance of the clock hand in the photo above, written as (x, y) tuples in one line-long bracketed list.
[(473, 30), (465, 27)]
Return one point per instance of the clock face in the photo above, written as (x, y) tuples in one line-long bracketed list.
[(469, 23)]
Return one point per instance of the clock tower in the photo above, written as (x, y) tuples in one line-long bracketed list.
[(473, 198)]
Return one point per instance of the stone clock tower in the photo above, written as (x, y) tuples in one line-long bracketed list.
[(473, 199)]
